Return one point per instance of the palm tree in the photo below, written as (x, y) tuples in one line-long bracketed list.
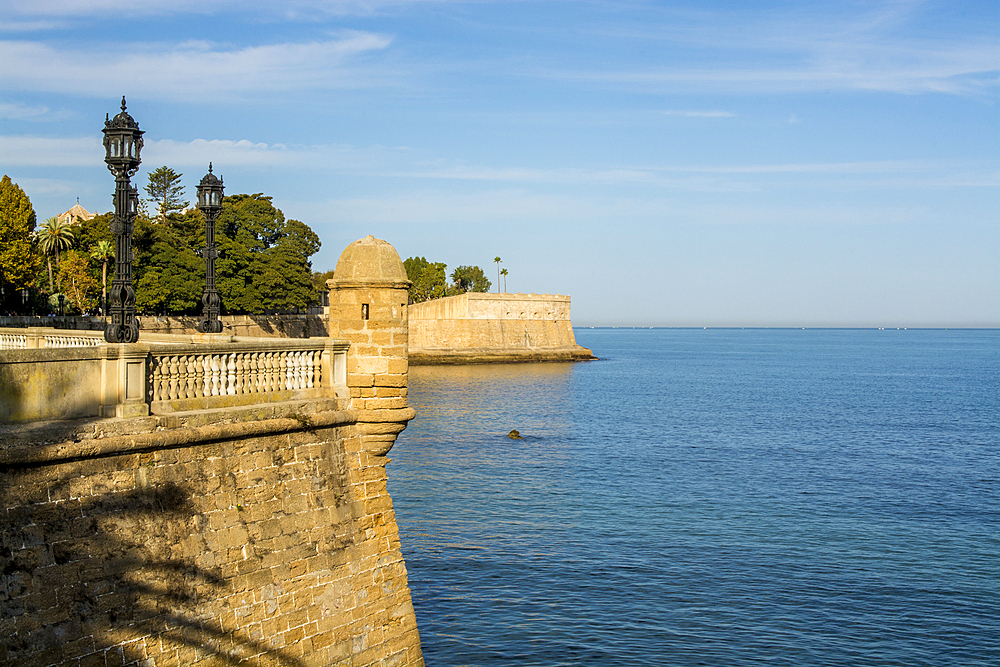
[(102, 252), (53, 236), (503, 272), (498, 260)]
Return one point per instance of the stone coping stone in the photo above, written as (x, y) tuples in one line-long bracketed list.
[(27, 443)]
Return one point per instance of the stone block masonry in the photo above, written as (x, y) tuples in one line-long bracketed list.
[(184, 540), (252, 532)]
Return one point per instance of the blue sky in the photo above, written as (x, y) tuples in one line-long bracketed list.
[(664, 163)]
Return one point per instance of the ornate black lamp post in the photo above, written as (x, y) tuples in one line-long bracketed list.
[(210, 203), (122, 144)]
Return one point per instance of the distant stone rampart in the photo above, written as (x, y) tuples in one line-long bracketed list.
[(478, 327)]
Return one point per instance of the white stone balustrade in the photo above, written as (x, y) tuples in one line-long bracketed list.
[(242, 369), (40, 338), (163, 374)]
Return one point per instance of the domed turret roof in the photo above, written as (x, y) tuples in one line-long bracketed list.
[(369, 261)]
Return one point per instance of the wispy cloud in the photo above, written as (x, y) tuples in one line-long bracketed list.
[(33, 151), (960, 71), (19, 111), (699, 114), (194, 71), (754, 49), (522, 206), (27, 151), (400, 163), (7, 25), (288, 8)]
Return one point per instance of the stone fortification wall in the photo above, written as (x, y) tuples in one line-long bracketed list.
[(230, 512), (264, 534), (485, 328)]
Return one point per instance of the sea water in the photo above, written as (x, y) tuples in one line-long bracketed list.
[(709, 497)]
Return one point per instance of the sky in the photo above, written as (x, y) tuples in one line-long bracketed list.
[(709, 163)]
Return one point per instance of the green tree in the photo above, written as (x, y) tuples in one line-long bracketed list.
[(428, 278), (165, 190), (503, 272), (286, 281), (470, 279), (55, 235), (432, 282), (319, 280), (498, 260), (81, 288), (169, 276), (91, 232), (263, 259), (19, 263), (414, 267), (103, 251)]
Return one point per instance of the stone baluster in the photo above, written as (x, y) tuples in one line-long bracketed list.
[(273, 366), (194, 370), (216, 375), (192, 381), (295, 362), (283, 373), (182, 376), (316, 363), (253, 373), (265, 371), (231, 374), (156, 367), (172, 374), (206, 374), (241, 372)]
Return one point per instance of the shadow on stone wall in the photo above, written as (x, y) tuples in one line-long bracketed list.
[(81, 578)]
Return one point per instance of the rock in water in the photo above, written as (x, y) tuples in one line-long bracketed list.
[(514, 435)]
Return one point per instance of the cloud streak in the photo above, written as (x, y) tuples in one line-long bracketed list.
[(78, 8), (398, 163), (699, 114), (194, 71)]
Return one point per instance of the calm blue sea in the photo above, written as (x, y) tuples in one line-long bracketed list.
[(710, 497)]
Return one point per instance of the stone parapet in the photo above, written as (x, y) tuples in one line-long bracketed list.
[(82, 376)]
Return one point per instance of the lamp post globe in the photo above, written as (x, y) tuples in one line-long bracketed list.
[(210, 204), (122, 148)]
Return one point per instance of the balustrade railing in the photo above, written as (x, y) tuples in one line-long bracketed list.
[(71, 341), (172, 373), (204, 374), (40, 338), (13, 341)]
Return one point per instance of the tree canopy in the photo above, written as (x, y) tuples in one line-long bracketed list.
[(263, 259), (168, 275), (165, 190), (430, 281), (470, 279), (19, 264), (263, 263)]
